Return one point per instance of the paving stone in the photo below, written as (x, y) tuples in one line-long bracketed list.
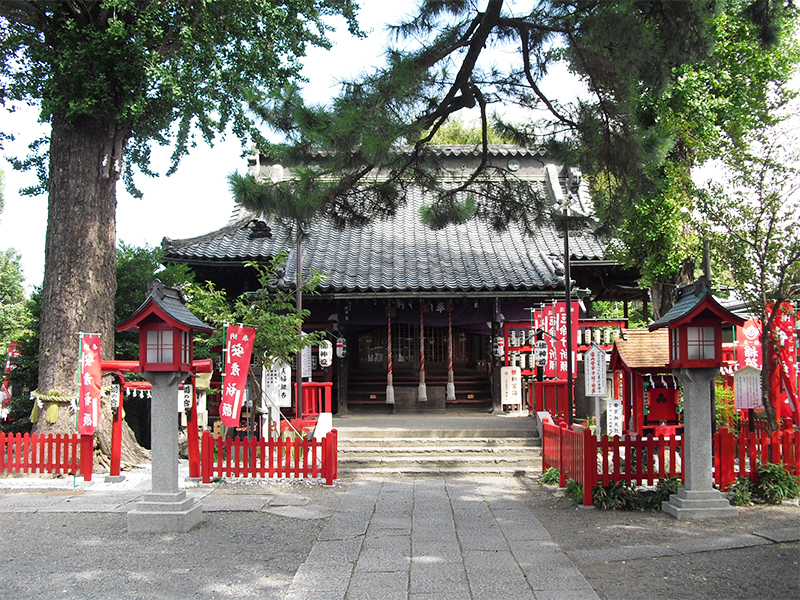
[(436, 552), (386, 586), (789, 534), (383, 560), (301, 512), (438, 578), (289, 500)]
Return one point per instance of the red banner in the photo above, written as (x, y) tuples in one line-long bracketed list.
[(89, 394), (561, 334), (5, 389), (783, 361), (238, 349), (549, 326), (748, 344)]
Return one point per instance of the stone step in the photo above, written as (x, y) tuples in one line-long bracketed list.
[(441, 445)]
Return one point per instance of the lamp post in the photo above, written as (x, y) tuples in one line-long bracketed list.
[(695, 355), (166, 330), (564, 206)]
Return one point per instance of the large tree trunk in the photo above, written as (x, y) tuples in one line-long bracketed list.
[(663, 293), (80, 255)]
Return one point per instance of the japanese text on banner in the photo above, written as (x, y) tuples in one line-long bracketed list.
[(239, 348), (89, 394)]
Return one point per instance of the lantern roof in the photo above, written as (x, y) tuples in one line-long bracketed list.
[(167, 304), (691, 302)]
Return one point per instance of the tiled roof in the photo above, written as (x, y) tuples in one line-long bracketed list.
[(401, 253), (172, 302), (643, 349)]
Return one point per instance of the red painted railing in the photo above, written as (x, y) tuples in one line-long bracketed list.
[(316, 398), (285, 458), (56, 454), (578, 455), (740, 456)]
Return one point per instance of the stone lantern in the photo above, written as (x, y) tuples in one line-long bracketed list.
[(166, 329), (695, 355)]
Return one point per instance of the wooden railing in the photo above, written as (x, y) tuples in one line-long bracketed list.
[(60, 454), (316, 398), (740, 456), (578, 455), (297, 457)]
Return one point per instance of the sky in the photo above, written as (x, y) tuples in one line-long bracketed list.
[(196, 199)]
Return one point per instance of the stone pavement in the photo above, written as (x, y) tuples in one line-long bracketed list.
[(437, 538), (424, 537)]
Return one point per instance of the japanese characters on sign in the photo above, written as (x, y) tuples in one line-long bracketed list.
[(511, 385), (238, 350), (614, 417), (748, 341), (325, 354), (276, 380), (747, 388), (89, 391), (594, 367)]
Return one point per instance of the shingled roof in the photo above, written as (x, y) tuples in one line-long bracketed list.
[(642, 349), (401, 254)]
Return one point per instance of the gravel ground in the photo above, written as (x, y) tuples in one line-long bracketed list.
[(231, 554), (247, 554), (708, 564)]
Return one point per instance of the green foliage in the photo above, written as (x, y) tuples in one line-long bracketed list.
[(775, 484), (19, 413), (626, 495), (741, 492), (158, 71), (574, 491), (727, 415), (136, 267), (15, 317), (551, 476), (456, 132), (271, 311)]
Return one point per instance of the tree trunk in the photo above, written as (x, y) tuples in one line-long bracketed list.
[(663, 293), (80, 255)]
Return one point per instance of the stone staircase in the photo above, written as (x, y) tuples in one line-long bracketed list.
[(439, 451)]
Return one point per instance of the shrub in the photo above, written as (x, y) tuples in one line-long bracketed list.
[(741, 492), (625, 495), (550, 477), (574, 492), (775, 484)]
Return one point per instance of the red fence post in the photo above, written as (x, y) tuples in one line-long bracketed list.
[(87, 456), (562, 479), (208, 455), (589, 467)]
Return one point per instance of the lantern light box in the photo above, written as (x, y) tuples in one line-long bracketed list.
[(166, 330), (695, 327)]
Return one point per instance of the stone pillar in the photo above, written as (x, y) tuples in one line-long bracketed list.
[(697, 499), (165, 508)]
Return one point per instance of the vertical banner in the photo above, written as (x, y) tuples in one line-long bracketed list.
[(748, 344), (784, 338), (548, 324), (561, 334), (89, 394), (5, 389), (238, 350)]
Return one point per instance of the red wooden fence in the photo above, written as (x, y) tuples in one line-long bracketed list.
[(740, 456), (57, 454), (580, 456), (316, 398), (290, 458)]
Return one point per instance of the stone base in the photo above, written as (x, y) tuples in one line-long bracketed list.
[(114, 478), (710, 504), (406, 400), (163, 513)]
